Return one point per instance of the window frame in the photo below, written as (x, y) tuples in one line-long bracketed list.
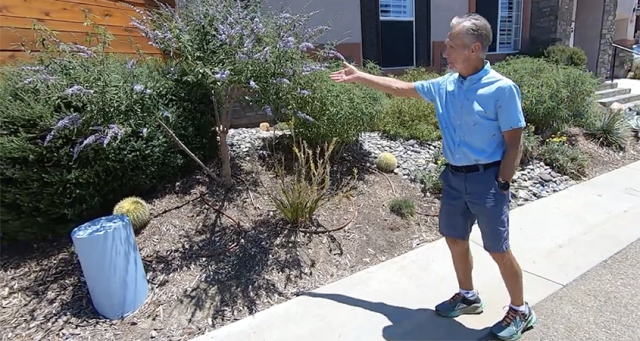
[(516, 30), (411, 18)]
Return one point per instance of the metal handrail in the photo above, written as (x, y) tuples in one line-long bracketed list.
[(613, 61), (625, 48)]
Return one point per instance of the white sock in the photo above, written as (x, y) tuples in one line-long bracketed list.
[(470, 294), (523, 308)]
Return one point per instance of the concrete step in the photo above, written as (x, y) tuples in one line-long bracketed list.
[(607, 85), (622, 99), (603, 94), (632, 104)]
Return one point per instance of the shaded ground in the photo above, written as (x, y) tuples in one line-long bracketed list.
[(207, 269)]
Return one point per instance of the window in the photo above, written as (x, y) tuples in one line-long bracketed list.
[(396, 9), (397, 33), (505, 17)]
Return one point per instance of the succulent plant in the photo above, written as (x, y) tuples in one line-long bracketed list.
[(386, 162), (136, 209)]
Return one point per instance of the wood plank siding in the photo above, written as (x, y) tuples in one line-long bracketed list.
[(67, 17)]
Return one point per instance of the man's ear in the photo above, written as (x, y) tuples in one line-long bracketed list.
[(475, 48)]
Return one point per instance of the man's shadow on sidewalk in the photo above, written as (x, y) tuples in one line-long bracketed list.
[(412, 324)]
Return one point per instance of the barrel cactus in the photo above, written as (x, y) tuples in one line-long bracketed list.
[(386, 162), (136, 209)]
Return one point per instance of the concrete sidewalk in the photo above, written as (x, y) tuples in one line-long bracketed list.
[(556, 239), (599, 305)]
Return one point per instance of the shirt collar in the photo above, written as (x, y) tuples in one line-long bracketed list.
[(476, 76)]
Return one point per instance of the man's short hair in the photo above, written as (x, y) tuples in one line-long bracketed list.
[(476, 28)]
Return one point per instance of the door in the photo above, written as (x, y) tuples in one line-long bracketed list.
[(397, 33)]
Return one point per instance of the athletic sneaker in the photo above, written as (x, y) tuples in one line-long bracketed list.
[(514, 324), (458, 305)]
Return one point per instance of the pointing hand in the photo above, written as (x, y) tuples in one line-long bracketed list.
[(348, 74)]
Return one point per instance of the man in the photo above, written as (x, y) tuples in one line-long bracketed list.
[(480, 115)]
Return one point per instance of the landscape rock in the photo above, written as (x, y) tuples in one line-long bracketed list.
[(531, 182)]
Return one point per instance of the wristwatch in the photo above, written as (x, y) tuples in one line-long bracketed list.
[(503, 185)]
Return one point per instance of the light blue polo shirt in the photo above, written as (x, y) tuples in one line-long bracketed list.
[(473, 113)]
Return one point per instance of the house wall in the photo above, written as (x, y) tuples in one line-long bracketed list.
[(67, 17), (606, 38), (343, 16), (625, 28), (551, 23), (441, 14)]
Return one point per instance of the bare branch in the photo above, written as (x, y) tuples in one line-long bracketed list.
[(186, 150)]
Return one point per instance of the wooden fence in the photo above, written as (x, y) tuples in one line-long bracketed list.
[(67, 17)]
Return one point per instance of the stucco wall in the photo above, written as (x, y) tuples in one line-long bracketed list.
[(343, 14), (442, 11), (625, 28)]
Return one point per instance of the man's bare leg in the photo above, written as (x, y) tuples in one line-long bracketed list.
[(462, 262), (512, 276), (467, 300)]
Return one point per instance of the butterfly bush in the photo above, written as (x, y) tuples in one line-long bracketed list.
[(241, 51), (80, 131), (238, 45)]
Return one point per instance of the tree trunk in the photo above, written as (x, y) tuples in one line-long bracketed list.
[(223, 123), (225, 156)]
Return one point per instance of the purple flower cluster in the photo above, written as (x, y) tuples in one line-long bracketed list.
[(82, 50), (103, 136), (44, 78), (39, 73), (141, 89), (305, 117), (78, 90), (310, 68), (222, 75), (70, 121)]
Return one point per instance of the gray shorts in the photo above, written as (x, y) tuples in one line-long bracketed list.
[(468, 197)]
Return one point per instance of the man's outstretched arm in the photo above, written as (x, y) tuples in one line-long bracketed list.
[(389, 85), (392, 86)]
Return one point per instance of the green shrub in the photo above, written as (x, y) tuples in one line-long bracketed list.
[(415, 74), (430, 179), (402, 207), (564, 158), (554, 97), (80, 131), (410, 118), (566, 55), (530, 145), (610, 128), (325, 110)]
